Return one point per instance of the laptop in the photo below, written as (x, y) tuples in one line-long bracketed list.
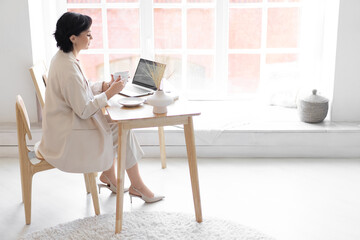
[(143, 84)]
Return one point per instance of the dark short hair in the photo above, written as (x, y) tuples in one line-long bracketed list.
[(69, 24)]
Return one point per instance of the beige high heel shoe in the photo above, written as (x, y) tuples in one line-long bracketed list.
[(146, 199), (109, 186)]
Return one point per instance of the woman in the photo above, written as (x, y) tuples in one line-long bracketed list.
[(76, 135)]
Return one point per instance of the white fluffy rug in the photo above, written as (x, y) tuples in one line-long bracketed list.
[(148, 225)]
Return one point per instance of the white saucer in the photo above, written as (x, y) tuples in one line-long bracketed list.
[(131, 101)]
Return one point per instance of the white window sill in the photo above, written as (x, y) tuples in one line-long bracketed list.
[(234, 116), (227, 129)]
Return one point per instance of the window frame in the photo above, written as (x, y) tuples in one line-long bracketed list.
[(220, 52)]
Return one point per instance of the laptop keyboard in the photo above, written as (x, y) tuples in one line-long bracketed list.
[(132, 90)]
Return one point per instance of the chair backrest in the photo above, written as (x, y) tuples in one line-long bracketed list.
[(39, 76), (22, 120)]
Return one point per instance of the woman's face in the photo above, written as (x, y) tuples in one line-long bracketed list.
[(83, 40)]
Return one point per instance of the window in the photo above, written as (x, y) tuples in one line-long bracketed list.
[(116, 33), (184, 38), (230, 49)]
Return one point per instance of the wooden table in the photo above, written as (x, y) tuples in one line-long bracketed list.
[(142, 117)]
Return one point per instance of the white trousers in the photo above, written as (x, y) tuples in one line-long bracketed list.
[(133, 150)]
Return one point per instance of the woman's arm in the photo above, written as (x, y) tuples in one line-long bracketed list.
[(105, 86), (73, 89), (98, 87)]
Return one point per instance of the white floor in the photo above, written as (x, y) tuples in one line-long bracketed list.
[(289, 199)]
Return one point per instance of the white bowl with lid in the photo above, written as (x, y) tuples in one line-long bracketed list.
[(313, 108)]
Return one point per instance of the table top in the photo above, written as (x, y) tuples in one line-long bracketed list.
[(119, 113)]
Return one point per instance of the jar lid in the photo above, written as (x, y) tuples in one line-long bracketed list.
[(313, 98)]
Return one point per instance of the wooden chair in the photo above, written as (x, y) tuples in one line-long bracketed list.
[(28, 168), (38, 74)]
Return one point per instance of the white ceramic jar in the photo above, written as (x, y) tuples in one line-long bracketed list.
[(313, 109)]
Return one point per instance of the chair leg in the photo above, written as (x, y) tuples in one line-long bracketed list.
[(93, 191), (26, 184), (86, 178)]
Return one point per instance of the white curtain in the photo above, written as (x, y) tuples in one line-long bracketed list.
[(43, 16), (318, 35)]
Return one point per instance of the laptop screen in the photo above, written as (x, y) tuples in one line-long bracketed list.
[(142, 75)]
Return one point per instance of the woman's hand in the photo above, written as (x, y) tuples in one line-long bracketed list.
[(115, 86), (106, 85)]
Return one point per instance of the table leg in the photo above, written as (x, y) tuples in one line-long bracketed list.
[(162, 147), (120, 177), (191, 153)]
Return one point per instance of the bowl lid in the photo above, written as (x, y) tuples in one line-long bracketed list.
[(314, 98)]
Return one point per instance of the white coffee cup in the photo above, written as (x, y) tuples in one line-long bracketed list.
[(124, 76)]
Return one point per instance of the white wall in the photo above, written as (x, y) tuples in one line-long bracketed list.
[(21, 47), (15, 59), (346, 97)]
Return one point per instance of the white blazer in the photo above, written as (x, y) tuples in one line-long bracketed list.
[(76, 136)]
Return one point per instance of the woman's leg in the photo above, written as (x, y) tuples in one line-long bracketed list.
[(137, 182), (134, 176), (110, 174), (133, 154)]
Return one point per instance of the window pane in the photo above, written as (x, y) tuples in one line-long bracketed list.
[(280, 58), (280, 81), (167, 28), (83, 1), (124, 62), (123, 28), (280, 72), (244, 73), (200, 28), (96, 27), (167, 1), (121, 1), (282, 30), (245, 28), (199, 1), (93, 66), (245, 1), (200, 72), (284, 0), (173, 69)]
